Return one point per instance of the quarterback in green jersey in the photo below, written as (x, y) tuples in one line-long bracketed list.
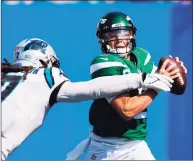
[(120, 122)]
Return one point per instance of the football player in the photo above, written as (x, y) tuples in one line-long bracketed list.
[(35, 82), (120, 122)]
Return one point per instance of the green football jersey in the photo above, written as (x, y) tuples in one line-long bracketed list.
[(108, 65)]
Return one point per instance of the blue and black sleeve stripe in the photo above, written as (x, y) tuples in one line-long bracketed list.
[(49, 77), (53, 96)]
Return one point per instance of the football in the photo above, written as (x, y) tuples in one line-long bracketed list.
[(179, 85)]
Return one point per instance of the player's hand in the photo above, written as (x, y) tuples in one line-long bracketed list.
[(168, 71), (181, 63), (157, 82)]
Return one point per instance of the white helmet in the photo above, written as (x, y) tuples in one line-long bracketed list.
[(35, 52)]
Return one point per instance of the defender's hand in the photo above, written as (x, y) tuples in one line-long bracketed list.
[(157, 82)]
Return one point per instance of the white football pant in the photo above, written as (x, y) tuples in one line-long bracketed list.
[(135, 150)]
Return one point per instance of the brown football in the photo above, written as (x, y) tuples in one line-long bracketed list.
[(179, 85)]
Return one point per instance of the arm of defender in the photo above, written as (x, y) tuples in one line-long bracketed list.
[(96, 88), (107, 86)]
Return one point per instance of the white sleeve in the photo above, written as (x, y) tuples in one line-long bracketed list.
[(58, 75), (109, 99), (97, 88)]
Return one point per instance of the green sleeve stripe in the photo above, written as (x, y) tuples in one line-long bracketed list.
[(98, 66), (148, 67), (106, 72), (148, 58)]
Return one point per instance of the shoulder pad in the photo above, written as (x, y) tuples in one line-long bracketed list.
[(106, 65), (140, 51), (144, 60), (54, 76), (105, 58)]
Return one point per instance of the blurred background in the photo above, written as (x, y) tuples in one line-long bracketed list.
[(164, 28)]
